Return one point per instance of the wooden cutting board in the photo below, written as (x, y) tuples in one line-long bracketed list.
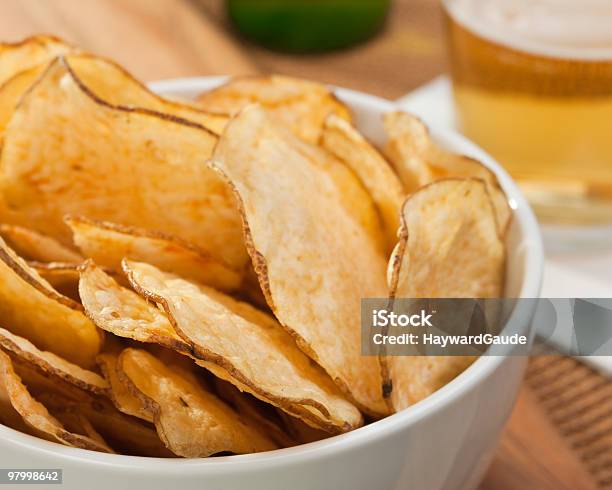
[(560, 434)]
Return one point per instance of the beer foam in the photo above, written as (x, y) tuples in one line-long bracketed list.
[(577, 29)]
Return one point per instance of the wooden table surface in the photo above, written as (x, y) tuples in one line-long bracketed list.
[(157, 39)]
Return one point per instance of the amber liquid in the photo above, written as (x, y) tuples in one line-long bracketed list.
[(548, 120)]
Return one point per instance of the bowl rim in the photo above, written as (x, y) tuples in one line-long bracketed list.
[(470, 378)]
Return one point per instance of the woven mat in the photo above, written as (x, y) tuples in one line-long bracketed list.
[(578, 402)]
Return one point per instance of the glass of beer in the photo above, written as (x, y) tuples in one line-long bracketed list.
[(532, 81)]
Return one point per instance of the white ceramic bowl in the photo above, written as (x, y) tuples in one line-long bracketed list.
[(444, 442)]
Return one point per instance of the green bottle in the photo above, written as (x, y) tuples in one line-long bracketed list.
[(303, 26)]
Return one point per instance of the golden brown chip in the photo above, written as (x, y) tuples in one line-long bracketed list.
[(109, 82), (251, 290), (123, 399), (40, 382), (67, 151), (126, 434), (449, 248), (31, 308), (34, 246), (407, 144), (13, 89), (256, 412), (35, 415), (53, 365), (414, 378), (347, 144), (8, 415), (191, 421), (108, 243), (64, 277), (418, 161), (122, 312), (450, 165), (354, 196), (299, 105), (20, 65), (314, 262), (301, 432), (247, 344), (74, 421), (115, 85), (32, 51)]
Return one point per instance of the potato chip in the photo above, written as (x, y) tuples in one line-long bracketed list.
[(35, 415), (354, 196), (108, 243), (111, 83), (314, 263), (8, 415), (300, 432), (12, 90), (75, 421), (251, 290), (414, 378), (418, 161), (308, 394), (449, 248), (450, 245), (123, 399), (407, 145), (126, 434), (255, 412), (347, 144), (124, 313), (34, 246), (62, 276), (299, 105), (32, 51), (67, 151), (53, 365), (191, 421), (31, 308), (40, 382), (20, 65), (220, 330)]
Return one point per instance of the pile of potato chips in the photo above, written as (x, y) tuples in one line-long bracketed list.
[(184, 278)]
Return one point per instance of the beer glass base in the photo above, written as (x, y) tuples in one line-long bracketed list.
[(568, 208), (570, 222)]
